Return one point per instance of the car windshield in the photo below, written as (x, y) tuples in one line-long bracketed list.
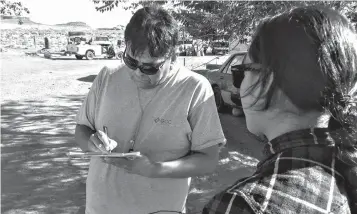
[(220, 44), (101, 39), (76, 40), (247, 60), (76, 33)]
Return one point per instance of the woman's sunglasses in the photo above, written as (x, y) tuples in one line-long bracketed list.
[(145, 68), (238, 72)]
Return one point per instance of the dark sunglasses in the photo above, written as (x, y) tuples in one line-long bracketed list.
[(145, 68), (238, 72)]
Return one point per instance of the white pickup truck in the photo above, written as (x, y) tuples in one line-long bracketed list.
[(93, 47)]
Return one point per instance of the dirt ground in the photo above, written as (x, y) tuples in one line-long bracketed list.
[(39, 100)]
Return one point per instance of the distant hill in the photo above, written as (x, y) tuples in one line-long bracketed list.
[(5, 19), (74, 24), (11, 22), (119, 27)]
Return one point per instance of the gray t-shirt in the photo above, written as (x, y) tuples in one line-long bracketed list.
[(180, 116)]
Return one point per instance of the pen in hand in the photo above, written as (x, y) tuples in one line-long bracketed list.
[(105, 129)]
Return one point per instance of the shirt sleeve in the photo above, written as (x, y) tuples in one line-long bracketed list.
[(204, 119), (86, 113)]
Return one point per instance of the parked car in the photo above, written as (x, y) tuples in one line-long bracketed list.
[(226, 92), (220, 47), (94, 47)]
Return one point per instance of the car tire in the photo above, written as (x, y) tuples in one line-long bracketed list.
[(47, 55), (79, 57), (89, 55), (221, 106), (119, 55)]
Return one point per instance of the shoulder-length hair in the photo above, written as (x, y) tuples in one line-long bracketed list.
[(312, 52)]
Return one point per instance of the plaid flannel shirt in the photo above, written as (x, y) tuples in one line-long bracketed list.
[(300, 174)]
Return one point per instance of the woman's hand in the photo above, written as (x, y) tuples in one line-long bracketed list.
[(139, 165), (100, 142)]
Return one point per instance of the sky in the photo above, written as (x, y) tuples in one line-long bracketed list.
[(62, 11)]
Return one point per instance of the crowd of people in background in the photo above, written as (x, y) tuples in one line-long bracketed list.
[(196, 47)]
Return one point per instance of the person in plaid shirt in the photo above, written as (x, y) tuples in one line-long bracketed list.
[(305, 72)]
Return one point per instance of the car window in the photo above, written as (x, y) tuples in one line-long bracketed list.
[(101, 39), (220, 44), (237, 60), (247, 59)]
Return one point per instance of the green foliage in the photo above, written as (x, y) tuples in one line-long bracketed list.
[(12, 8), (222, 19)]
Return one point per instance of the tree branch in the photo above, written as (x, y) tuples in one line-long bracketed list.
[(107, 4)]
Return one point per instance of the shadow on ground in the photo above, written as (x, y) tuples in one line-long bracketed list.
[(89, 78), (64, 58), (38, 177), (238, 159)]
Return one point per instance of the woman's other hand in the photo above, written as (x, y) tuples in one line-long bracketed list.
[(100, 142), (140, 165)]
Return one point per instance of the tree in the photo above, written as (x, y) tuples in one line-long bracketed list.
[(222, 19), (350, 11), (13, 9), (240, 18), (196, 22)]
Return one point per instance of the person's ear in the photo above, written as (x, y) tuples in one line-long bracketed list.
[(279, 101), (263, 93), (269, 84)]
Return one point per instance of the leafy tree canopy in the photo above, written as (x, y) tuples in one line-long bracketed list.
[(12, 8), (224, 19)]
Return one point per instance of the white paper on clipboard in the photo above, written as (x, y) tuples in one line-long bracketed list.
[(97, 154)]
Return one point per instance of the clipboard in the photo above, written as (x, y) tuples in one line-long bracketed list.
[(99, 154)]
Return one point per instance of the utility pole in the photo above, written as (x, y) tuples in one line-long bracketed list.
[(34, 41)]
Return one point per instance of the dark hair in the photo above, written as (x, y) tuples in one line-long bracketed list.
[(312, 52), (152, 28)]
